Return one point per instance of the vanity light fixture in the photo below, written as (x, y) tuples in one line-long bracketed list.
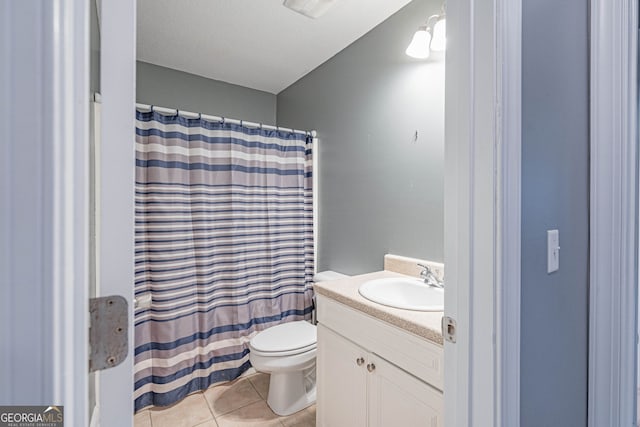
[(419, 46), (439, 40), (431, 36)]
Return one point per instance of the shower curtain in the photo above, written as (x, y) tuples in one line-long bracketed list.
[(224, 248)]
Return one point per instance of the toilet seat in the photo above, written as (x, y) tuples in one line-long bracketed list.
[(285, 340), (282, 353), (287, 352)]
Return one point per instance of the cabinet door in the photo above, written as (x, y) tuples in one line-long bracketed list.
[(342, 383), (397, 398)]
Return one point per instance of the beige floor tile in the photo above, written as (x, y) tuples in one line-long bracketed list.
[(260, 382), (304, 418), (249, 372), (228, 397), (189, 412), (142, 419), (210, 423), (255, 415)]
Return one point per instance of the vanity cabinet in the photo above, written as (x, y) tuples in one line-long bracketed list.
[(361, 378), (341, 381)]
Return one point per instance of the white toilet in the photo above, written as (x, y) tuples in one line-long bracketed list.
[(288, 353)]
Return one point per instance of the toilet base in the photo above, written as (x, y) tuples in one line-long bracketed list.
[(290, 392)]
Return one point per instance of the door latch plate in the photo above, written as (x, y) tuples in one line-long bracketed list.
[(449, 329), (108, 332)]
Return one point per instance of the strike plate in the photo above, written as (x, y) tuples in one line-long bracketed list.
[(108, 333), (449, 329)]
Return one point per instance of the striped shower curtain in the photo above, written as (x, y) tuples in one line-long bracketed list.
[(224, 248)]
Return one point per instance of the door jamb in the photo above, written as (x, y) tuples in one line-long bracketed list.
[(613, 213), (509, 152), (44, 218), (482, 212), (117, 222)]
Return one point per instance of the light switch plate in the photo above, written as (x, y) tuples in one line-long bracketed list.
[(553, 250)]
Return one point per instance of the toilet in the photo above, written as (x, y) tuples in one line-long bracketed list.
[(288, 352)]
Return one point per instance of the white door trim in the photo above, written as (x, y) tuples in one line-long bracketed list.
[(509, 160), (482, 212), (613, 229), (44, 130), (70, 132), (117, 168)]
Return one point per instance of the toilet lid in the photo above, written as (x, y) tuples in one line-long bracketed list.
[(285, 337)]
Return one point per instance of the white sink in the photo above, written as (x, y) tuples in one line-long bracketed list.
[(406, 293)]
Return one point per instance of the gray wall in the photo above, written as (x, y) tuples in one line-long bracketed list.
[(170, 88), (379, 191), (555, 185)]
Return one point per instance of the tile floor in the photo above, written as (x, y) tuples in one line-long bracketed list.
[(241, 403)]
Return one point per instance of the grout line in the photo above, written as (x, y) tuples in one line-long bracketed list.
[(240, 407), (208, 406), (215, 419), (255, 388)]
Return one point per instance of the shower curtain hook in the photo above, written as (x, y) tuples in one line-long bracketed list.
[(151, 108)]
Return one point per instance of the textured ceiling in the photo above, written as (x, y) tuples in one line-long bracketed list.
[(254, 43)]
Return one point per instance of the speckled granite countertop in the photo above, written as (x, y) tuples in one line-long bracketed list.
[(345, 291)]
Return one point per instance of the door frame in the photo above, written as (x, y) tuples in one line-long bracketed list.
[(613, 213), (481, 252), (482, 212), (44, 220), (117, 168)]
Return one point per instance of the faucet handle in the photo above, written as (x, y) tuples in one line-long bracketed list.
[(426, 268), (429, 276)]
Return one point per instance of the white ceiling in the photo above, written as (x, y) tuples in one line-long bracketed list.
[(254, 43)]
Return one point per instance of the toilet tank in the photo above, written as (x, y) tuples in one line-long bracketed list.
[(325, 276)]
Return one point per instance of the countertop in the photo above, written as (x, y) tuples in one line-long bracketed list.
[(423, 324)]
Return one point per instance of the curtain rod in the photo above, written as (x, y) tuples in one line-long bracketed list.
[(188, 114)]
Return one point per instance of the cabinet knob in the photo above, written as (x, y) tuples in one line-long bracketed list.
[(371, 367), (359, 361)]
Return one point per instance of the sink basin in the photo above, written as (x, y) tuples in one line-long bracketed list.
[(405, 293)]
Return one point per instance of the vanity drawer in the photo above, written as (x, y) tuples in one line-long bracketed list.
[(414, 354)]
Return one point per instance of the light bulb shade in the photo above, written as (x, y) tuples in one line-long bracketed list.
[(439, 41), (419, 46)]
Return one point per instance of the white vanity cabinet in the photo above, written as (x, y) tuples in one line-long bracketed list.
[(372, 374), (341, 378)]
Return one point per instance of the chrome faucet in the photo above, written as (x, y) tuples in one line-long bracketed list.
[(429, 277)]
